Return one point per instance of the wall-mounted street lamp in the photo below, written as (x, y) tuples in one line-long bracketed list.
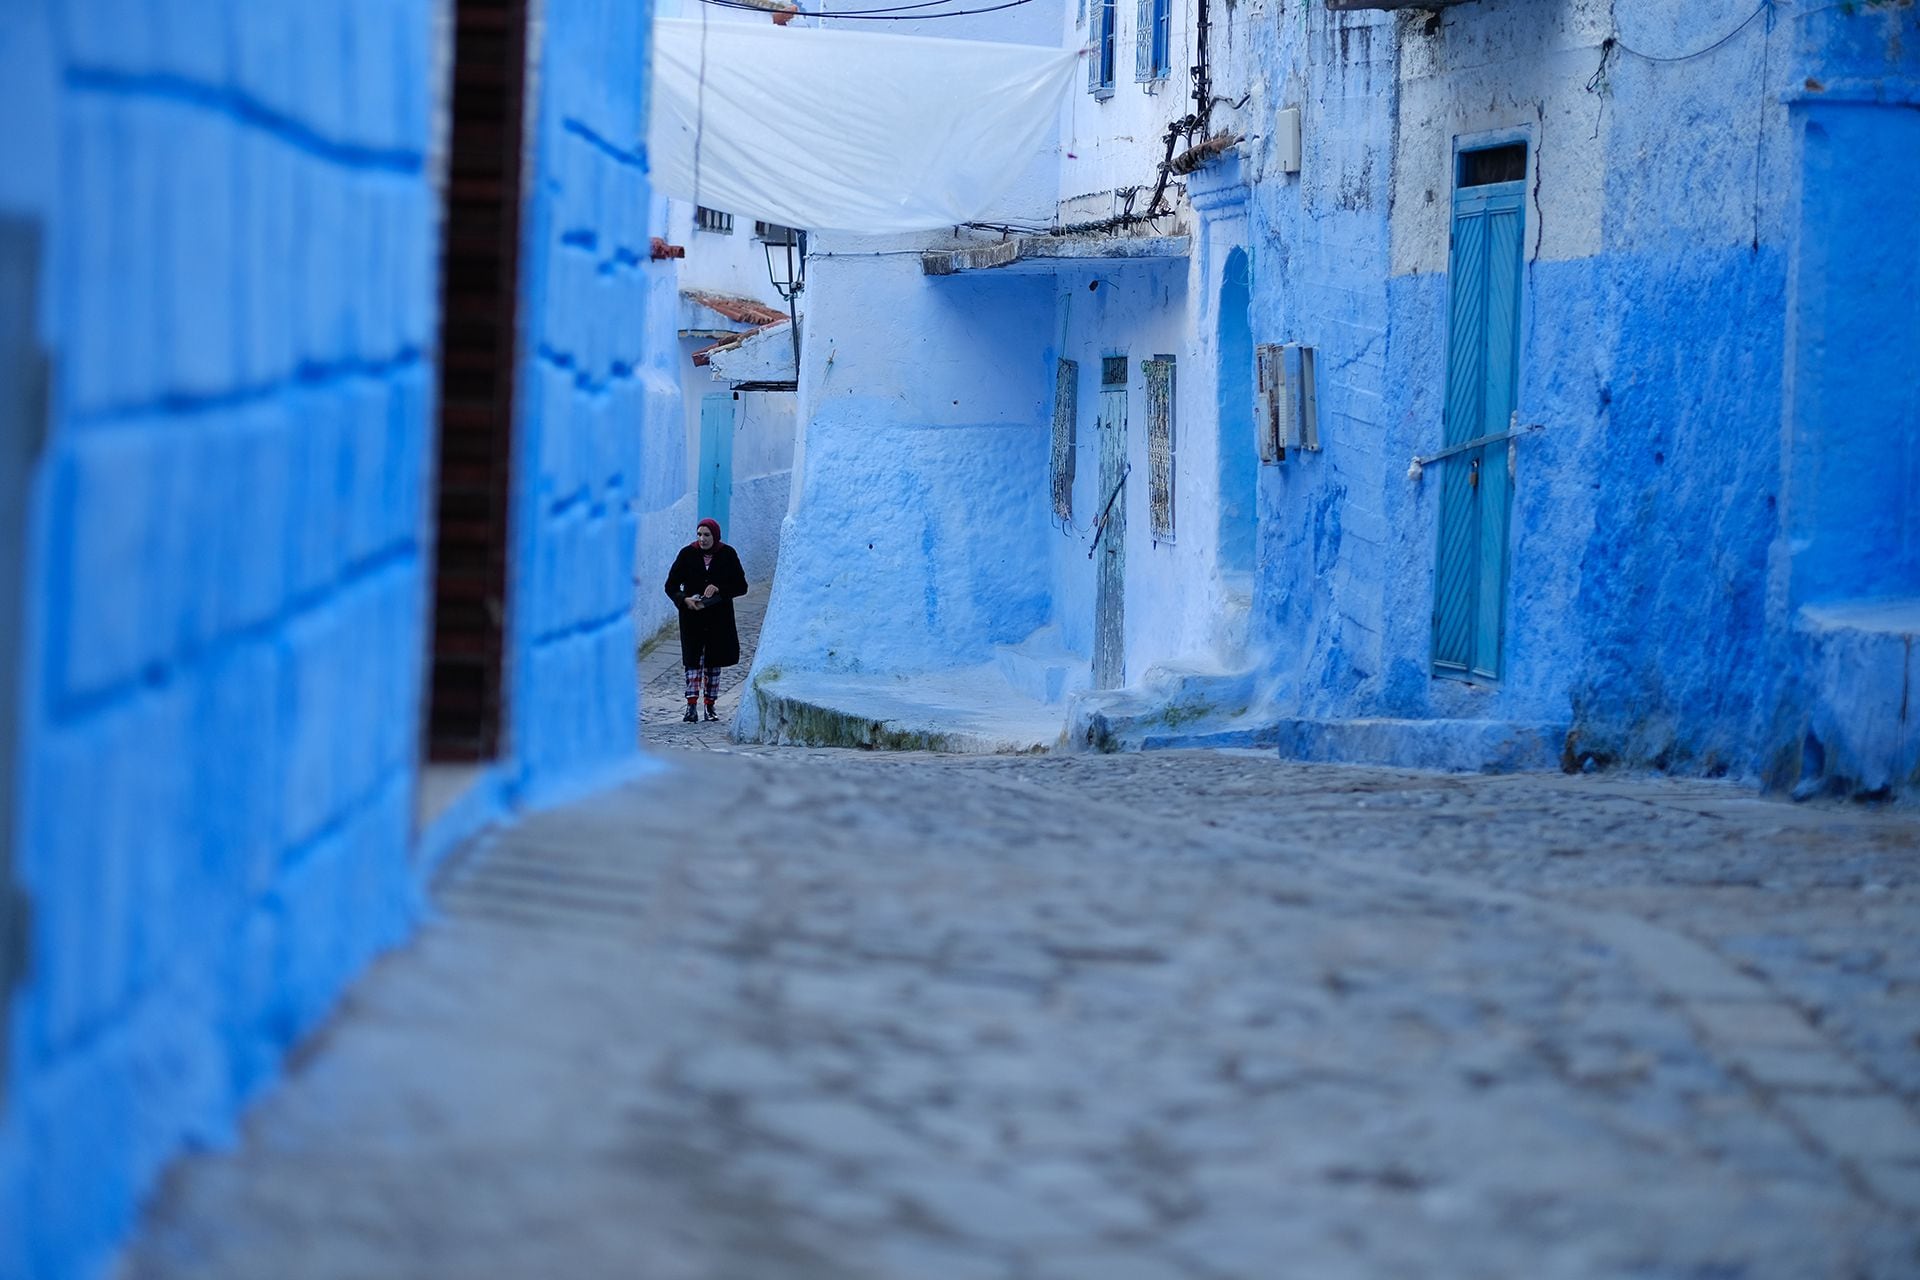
[(786, 250)]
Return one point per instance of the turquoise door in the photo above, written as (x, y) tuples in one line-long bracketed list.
[(1483, 335), (715, 494)]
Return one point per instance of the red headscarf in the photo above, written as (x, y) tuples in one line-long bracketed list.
[(709, 523)]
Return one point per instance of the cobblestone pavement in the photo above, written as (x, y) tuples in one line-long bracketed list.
[(828, 1015), (819, 1014)]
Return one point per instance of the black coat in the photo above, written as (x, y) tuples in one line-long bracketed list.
[(708, 632)]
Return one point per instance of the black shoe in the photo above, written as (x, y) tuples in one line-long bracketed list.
[(691, 715), (710, 715)]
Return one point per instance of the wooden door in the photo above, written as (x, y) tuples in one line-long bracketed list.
[(715, 494), (1483, 335), (1110, 558), (478, 354)]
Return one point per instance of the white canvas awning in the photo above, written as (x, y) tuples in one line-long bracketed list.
[(830, 130)]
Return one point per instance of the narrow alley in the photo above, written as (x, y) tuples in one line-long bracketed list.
[(1332, 595), (794, 1013)]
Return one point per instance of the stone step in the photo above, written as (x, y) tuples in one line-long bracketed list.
[(1042, 667), (969, 712), (1455, 746)]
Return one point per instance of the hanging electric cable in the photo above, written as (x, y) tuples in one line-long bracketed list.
[(888, 13)]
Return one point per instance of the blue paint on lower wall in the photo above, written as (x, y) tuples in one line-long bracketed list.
[(228, 587)]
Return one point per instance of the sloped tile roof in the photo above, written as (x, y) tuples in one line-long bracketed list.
[(738, 310)]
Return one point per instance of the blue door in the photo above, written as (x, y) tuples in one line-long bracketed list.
[(715, 493), (1483, 335)]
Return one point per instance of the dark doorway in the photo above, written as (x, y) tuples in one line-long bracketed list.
[(478, 349), (1239, 450), (23, 418)]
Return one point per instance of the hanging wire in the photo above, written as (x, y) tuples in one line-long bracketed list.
[(1766, 7), (886, 13)]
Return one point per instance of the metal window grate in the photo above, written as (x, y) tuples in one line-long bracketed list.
[(1113, 371), (1066, 415), (713, 220), (1161, 444)]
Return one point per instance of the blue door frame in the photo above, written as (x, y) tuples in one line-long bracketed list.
[(715, 492), (1476, 489)]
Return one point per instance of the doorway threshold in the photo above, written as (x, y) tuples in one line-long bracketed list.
[(452, 803)]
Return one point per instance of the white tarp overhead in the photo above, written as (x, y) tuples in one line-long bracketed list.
[(831, 130)]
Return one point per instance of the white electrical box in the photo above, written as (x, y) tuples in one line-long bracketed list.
[(1288, 400), (1286, 138)]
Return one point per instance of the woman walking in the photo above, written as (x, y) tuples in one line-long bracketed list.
[(705, 579)]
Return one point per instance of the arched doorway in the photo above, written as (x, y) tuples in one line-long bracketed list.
[(1239, 456)]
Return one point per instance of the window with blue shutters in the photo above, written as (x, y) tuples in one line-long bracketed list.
[(1100, 67), (1153, 48)]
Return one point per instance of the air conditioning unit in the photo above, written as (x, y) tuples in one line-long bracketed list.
[(1288, 409)]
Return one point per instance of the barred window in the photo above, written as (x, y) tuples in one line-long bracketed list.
[(1162, 439), (713, 220), (774, 233), (1100, 65), (1066, 415), (1153, 45)]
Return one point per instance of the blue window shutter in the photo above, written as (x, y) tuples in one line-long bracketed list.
[(1101, 63), (1162, 37), (1143, 41)]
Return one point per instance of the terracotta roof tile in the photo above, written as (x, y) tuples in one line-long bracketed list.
[(738, 310), (701, 354)]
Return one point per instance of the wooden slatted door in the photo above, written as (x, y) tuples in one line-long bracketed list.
[(1110, 581), (1483, 335), (716, 457), (478, 349)]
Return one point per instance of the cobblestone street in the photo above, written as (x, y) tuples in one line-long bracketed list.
[(833, 1014)]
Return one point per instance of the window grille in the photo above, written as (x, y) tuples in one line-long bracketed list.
[(1161, 444), (1153, 43), (713, 220), (774, 233), (1100, 67), (1066, 414), (1113, 371)]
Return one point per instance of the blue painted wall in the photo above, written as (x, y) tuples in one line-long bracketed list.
[(227, 598), (586, 312), (919, 539), (1681, 217)]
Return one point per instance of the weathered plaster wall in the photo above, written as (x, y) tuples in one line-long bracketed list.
[(918, 535), (228, 560), (1174, 595), (1654, 290), (669, 448)]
